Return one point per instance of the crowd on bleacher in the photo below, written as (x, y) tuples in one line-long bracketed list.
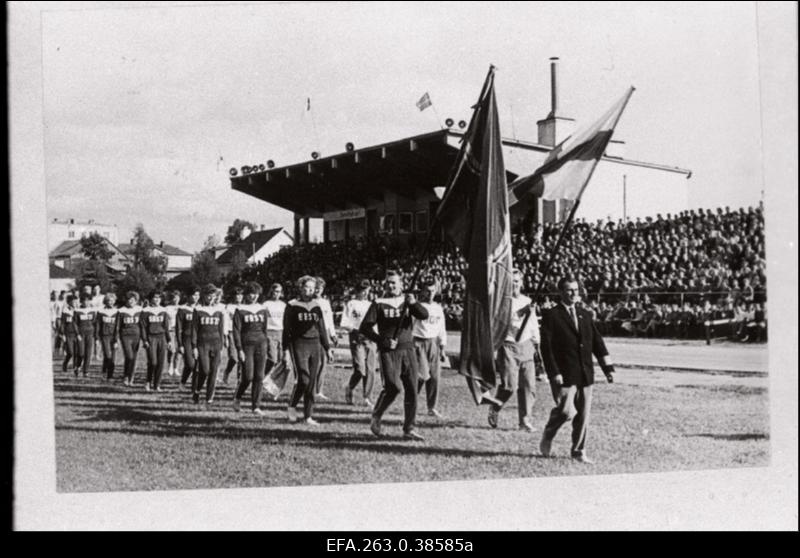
[(661, 276)]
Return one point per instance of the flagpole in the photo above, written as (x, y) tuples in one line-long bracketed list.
[(435, 221), (567, 223), (553, 252)]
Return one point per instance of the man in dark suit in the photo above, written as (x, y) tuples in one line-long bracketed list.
[(569, 338)]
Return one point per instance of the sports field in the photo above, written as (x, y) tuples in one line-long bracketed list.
[(110, 437)]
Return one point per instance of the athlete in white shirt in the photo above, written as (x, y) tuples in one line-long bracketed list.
[(278, 371), (430, 341), (233, 357), (362, 350), (515, 358), (327, 316)]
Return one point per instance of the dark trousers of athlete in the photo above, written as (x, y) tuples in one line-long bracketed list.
[(207, 363), (189, 363), (363, 352), (255, 362), (70, 352), (85, 350), (108, 356), (307, 357), (156, 356), (233, 362), (130, 349), (399, 372)]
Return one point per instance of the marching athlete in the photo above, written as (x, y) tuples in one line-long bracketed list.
[(250, 338), (392, 315), (69, 334), (183, 334), (207, 343), (129, 330), (171, 308), (156, 339), (305, 341), (275, 375), (233, 360), (362, 349), (330, 328), (515, 358), (85, 324), (430, 341), (107, 332)]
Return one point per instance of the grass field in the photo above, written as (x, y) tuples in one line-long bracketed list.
[(110, 437)]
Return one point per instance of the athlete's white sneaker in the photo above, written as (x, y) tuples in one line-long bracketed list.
[(291, 413), (311, 422), (258, 412), (321, 397), (237, 405)]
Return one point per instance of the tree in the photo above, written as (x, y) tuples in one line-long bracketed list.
[(205, 268), (91, 272), (136, 279), (95, 248), (235, 230), (211, 242), (143, 255)]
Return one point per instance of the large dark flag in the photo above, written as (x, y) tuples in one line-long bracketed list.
[(474, 212), (569, 166)]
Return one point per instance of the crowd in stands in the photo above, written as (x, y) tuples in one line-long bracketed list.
[(661, 276)]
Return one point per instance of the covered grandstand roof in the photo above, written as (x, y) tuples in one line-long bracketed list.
[(407, 167)]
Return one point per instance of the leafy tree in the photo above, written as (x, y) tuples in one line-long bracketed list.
[(205, 269), (136, 279), (235, 230), (95, 248), (91, 272), (211, 242), (143, 256)]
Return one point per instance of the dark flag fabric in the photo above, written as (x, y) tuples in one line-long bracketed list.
[(474, 212), (567, 169)]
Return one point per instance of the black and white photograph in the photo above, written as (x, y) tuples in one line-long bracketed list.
[(418, 266)]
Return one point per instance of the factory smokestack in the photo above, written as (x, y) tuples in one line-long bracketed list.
[(553, 86)]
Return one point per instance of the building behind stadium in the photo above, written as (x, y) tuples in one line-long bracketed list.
[(392, 190)]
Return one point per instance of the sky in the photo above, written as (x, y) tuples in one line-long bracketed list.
[(141, 103)]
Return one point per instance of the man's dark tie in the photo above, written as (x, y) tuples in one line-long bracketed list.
[(573, 316)]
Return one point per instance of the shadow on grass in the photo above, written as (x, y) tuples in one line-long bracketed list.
[(141, 422), (730, 437)]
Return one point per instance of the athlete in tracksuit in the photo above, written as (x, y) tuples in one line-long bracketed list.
[(393, 317), (184, 321), (107, 331), (305, 340), (233, 357), (156, 339), (207, 343), (85, 324), (129, 330), (362, 349), (69, 334), (250, 338), (430, 340)]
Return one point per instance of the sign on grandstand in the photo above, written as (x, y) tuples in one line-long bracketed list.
[(357, 213)]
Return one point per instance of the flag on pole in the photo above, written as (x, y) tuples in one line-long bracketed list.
[(424, 102), (567, 169), (474, 212)]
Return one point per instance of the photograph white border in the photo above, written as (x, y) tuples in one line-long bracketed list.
[(759, 498)]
